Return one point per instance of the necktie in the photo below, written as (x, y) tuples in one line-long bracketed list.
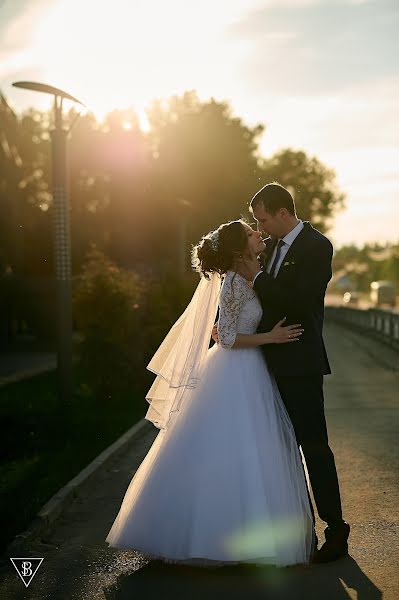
[(280, 244)]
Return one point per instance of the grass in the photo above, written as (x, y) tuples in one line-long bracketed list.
[(43, 446)]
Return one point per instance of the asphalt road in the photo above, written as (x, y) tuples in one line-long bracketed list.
[(362, 402)]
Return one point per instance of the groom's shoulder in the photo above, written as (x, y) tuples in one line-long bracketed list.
[(315, 237)]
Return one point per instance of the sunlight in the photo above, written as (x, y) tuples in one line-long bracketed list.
[(132, 54), (260, 537), (128, 53)]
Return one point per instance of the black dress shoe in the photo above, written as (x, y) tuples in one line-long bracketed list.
[(335, 546)]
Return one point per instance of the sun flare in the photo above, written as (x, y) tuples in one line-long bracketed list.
[(128, 55)]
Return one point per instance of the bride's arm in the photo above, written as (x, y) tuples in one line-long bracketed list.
[(232, 298), (278, 335)]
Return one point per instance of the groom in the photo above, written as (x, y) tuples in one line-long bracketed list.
[(292, 284)]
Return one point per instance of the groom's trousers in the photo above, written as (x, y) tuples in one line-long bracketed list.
[(304, 400)]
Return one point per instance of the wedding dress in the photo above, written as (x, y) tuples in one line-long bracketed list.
[(224, 483)]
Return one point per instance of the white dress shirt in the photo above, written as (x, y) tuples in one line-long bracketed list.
[(288, 241)]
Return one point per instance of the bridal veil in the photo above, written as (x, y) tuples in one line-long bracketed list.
[(180, 358)]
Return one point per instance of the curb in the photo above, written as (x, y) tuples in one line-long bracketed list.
[(26, 374), (57, 503)]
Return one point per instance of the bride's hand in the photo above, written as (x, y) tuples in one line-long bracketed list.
[(282, 335), (215, 336)]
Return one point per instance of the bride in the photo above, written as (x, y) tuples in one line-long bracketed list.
[(223, 482)]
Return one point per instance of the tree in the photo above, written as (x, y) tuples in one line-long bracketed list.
[(369, 263), (312, 184), (204, 159), (142, 197), (24, 196)]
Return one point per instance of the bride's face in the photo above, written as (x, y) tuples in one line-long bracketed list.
[(255, 243)]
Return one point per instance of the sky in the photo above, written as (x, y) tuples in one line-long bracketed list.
[(322, 75)]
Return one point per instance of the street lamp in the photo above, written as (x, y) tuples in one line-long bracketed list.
[(62, 244)]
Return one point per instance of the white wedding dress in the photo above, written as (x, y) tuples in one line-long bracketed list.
[(224, 483)]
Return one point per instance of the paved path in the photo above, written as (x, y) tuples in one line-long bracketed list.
[(362, 410), (21, 365)]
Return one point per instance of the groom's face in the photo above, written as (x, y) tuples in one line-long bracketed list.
[(267, 223)]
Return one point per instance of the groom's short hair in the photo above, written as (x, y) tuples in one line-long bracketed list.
[(272, 197)]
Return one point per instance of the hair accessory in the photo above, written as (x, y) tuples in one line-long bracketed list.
[(214, 237)]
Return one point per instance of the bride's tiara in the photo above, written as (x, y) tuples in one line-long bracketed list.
[(214, 238)]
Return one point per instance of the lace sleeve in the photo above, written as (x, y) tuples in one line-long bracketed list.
[(232, 298)]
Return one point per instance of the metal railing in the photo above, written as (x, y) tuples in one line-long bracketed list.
[(380, 324)]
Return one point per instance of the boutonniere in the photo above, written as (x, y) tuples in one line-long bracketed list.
[(286, 264)]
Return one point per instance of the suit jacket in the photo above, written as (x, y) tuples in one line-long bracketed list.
[(297, 293)]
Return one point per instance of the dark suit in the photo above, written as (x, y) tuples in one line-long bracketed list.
[(297, 293)]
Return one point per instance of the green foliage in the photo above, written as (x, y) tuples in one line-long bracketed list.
[(108, 306), (122, 317), (312, 184), (130, 191), (204, 155), (140, 197), (371, 262), (25, 226)]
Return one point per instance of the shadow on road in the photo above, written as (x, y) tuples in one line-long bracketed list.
[(157, 579)]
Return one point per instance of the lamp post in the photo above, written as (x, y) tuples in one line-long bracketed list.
[(62, 244)]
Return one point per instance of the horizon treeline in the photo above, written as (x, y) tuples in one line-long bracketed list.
[(143, 197)]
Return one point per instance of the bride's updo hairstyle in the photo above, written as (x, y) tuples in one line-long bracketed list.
[(218, 251)]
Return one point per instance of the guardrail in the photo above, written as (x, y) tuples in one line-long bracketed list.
[(380, 324)]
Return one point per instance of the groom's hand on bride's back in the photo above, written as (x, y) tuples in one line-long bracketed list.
[(215, 332)]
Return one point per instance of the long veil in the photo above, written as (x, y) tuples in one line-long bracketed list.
[(180, 358)]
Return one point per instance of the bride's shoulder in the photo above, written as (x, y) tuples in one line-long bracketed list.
[(236, 276), (233, 281)]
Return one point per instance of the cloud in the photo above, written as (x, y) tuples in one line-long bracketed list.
[(318, 47), (17, 20), (365, 115)]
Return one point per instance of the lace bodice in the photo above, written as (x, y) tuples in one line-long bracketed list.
[(239, 309)]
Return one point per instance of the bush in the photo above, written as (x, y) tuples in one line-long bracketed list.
[(108, 307), (123, 317)]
